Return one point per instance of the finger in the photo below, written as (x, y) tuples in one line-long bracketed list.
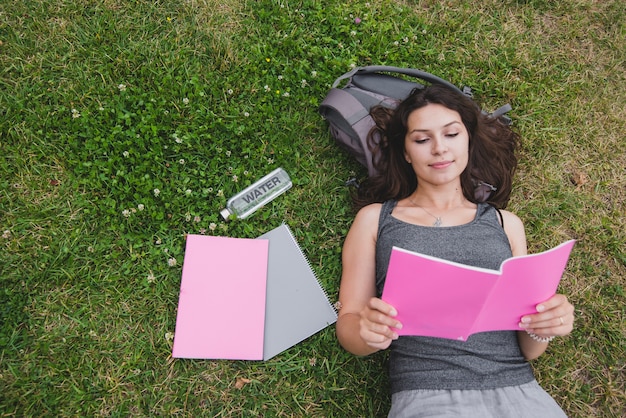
[(552, 303), (561, 325), (382, 306), (378, 336), (551, 310), (382, 313)]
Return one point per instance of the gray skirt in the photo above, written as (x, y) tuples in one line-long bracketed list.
[(524, 401)]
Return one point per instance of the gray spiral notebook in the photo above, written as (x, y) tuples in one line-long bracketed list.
[(296, 305)]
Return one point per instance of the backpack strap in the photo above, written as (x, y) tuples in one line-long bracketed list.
[(500, 113), (422, 75)]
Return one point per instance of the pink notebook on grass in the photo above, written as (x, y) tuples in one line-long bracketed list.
[(439, 298), (221, 308)]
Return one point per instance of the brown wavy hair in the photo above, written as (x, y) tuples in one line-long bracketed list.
[(492, 150)]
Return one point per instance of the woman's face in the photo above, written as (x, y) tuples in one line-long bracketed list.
[(436, 144)]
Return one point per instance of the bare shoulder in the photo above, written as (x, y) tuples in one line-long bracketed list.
[(369, 213), (511, 219), (514, 229), (365, 223)]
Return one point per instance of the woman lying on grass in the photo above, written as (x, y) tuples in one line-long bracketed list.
[(434, 150)]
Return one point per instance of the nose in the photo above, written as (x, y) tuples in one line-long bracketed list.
[(439, 145)]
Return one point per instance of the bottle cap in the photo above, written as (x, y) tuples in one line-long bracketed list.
[(225, 213)]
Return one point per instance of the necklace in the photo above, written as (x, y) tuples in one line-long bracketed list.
[(437, 222)]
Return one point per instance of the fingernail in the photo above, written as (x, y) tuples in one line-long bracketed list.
[(393, 312), (541, 308), (522, 325), (525, 320)]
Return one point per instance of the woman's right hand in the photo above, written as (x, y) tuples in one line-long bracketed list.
[(377, 324)]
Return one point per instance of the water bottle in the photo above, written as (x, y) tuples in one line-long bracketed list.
[(246, 202)]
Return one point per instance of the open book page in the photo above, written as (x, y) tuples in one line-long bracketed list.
[(439, 298)]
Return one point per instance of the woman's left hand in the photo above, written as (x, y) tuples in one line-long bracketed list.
[(554, 317)]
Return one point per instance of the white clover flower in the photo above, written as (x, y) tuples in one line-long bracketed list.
[(396, 43), (75, 114), (230, 91), (158, 241), (93, 334), (235, 178), (188, 192), (313, 74), (151, 278), (126, 154), (121, 87), (353, 33), (246, 114), (171, 262), (187, 217), (181, 161), (280, 77), (228, 155), (101, 108), (156, 192), (267, 88), (196, 219), (220, 193), (212, 226), (185, 101), (286, 94), (169, 336), (126, 213), (303, 83), (141, 206), (6, 234)]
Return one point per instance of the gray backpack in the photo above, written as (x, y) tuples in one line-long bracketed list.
[(347, 109)]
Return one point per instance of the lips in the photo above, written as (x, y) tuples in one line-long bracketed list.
[(441, 164)]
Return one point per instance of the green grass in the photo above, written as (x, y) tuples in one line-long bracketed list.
[(104, 101)]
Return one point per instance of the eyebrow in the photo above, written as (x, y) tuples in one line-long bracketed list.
[(444, 126)]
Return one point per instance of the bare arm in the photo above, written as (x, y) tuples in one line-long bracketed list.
[(365, 321), (554, 316)]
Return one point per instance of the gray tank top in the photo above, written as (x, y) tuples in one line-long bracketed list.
[(486, 360)]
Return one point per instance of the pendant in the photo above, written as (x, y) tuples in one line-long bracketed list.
[(437, 222)]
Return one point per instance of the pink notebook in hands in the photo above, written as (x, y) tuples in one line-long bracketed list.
[(221, 308), (439, 298)]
